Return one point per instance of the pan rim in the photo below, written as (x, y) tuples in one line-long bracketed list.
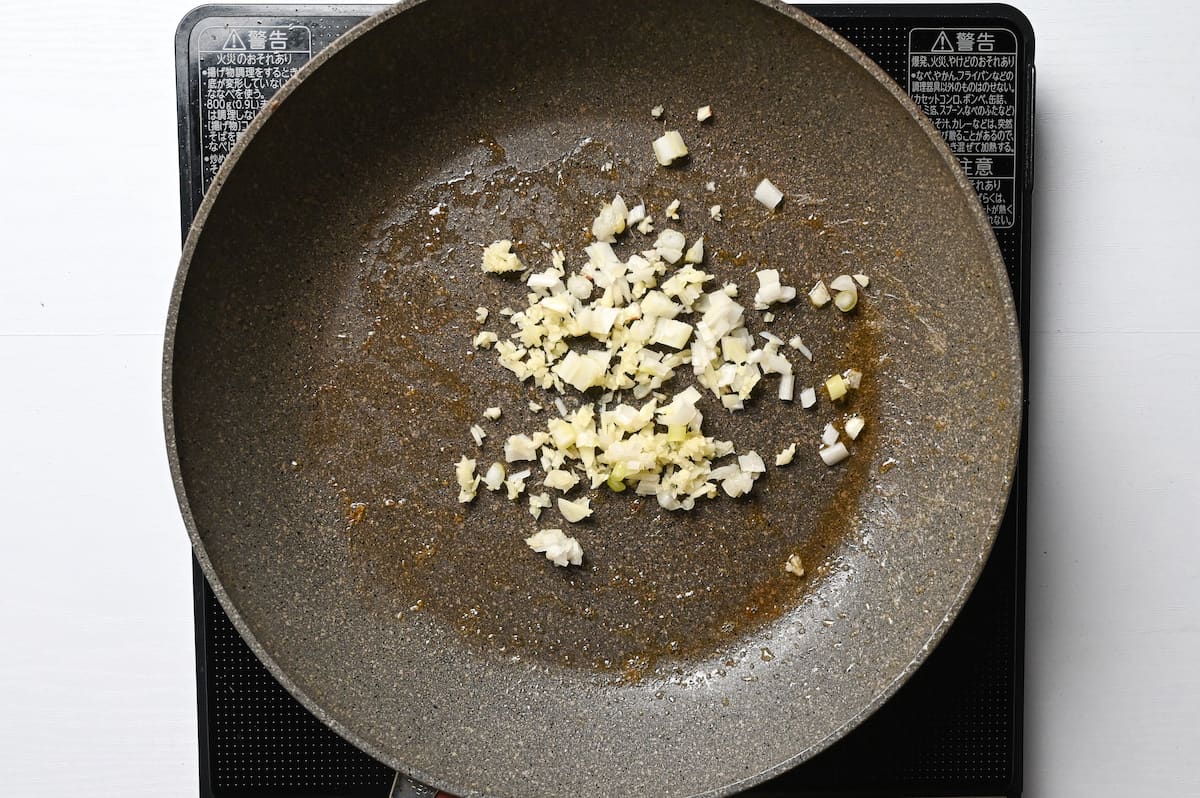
[(900, 678)]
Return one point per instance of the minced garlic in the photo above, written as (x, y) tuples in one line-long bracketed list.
[(575, 511), (468, 482), (669, 147), (498, 257), (617, 328), (786, 456), (558, 548)]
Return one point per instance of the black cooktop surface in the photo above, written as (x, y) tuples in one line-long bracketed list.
[(955, 728)]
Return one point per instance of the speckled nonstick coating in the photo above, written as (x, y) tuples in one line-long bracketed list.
[(319, 384)]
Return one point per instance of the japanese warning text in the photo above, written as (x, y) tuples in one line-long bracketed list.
[(965, 80), (240, 68)]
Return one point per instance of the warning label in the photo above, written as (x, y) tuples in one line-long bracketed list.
[(240, 68), (965, 79)]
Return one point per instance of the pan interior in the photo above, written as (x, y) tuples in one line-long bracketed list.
[(323, 383)]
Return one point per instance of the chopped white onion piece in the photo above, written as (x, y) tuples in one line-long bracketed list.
[(498, 257), (829, 435), (669, 147), (575, 511), (832, 455), (492, 413), (672, 333), (582, 372), (538, 502), (682, 410), (560, 480), (516, 483), (478, 434), (808, 398), (659, 305), (738, 485), (579, 287), (535, 407), (646, 226), (656, 111), (636, 214), (766, 193), (611, 220), (862, 280), (794, 566), (798, 344), (853, 378), (544, 281), (787, 385), (770, 290), (695, 253), (752, 463), (785, 457), (710, 186), (819, 295), (672, 211), (519, 448), (484, 340), (715, 213), (772, 337), (481, 314), (558, 548), (843, 282), (669, 245), (494, 477), (704, 113)]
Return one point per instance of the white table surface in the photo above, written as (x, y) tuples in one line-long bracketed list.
[(96, 671)]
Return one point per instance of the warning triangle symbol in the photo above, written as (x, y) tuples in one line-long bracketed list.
[(234, 42), (942, 44)]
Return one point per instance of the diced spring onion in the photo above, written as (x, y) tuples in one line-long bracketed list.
[(832, 455)]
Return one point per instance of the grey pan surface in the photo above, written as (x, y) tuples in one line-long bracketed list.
[(319, 384)]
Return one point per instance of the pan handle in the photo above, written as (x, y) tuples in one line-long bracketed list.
[(407, 787)]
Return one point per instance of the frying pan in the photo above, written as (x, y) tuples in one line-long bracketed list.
[(319, 384)]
